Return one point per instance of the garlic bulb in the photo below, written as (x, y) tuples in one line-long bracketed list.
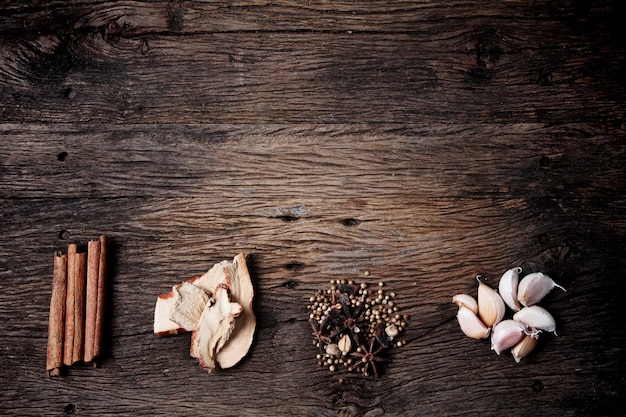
[(537, 318), (506, 334), (471, 324), (464, 300), (508, 288), (491, 307), (533, 287)]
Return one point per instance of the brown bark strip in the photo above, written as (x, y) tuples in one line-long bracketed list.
[(68, 346), (93, 272), (56, 321), (79, 307), (100, 310)]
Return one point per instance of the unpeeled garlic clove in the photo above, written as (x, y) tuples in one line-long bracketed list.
[(491, 307), (506, 334), (465, 300), (508, 288), (471, 324), (345, 344), (524, 347), (391, 331), (533, 287), (536, 317), (333, 350)]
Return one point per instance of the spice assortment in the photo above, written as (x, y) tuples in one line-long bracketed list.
[(354, 326), (217, 308), (480, 318), (77, 306)]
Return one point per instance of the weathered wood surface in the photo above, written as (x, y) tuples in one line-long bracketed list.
[(420, 141), (168, 62)]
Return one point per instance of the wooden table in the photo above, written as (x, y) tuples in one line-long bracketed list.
[(424, 142)]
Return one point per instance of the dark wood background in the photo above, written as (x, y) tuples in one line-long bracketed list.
[(422, 141)]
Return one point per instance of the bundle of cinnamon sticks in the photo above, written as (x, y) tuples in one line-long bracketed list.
[(77, 306)]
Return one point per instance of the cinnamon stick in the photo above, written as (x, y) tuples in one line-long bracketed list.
[(100, 310), (56, 321), (68, 346), (93, 272), (79, 307)]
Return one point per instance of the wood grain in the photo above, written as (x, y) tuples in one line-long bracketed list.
[(426, 252), (278, 161), (410, 260), (422, 142), (469, 66)]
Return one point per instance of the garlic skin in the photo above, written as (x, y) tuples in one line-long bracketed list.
[(536, 317), (508, 288), (533, 287), (506, 334), (491, 307), (524, 347), (465, 300), (471, 325)]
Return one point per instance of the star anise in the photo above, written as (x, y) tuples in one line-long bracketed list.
[(347, 318), (320, 332), (368, 357)]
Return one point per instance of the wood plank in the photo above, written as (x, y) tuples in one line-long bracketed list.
[(561, 174), (187, 17), (412, 162), (96, 64)]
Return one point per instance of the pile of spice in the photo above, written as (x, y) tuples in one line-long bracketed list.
[(354, 326)]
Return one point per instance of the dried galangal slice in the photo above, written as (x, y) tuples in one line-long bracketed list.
[(165, 306), (215, 328), (217, 308), (190, 303), (236, 276)]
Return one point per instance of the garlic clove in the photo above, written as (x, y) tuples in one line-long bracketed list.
[(533, 287), (508, 288), (345, 344), (333, 350), (536, 317), (391, 331), (464, 300), (491, 307), (471, 324), (506, 334), (524, 347)]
